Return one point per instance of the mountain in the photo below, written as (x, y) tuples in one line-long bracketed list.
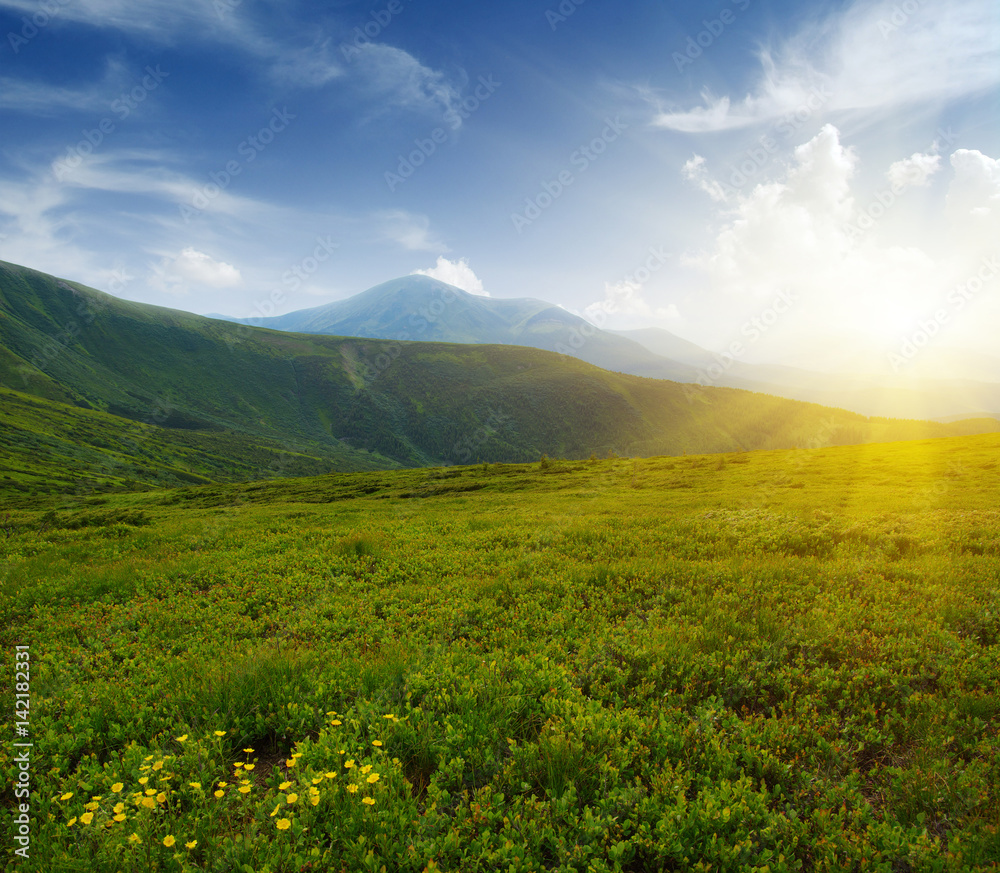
[(421, 308), (418, 307), (668, 345), (100, 393)]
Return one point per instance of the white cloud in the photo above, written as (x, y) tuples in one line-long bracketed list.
[(694, 170), (40, 98), (47, 98), (973, 204), (975, 190), (914, 170), (178, 273), (623, 302), (854, 264), (859, 59), (397, 79), (412, 232), (457, 273), (234, 23)]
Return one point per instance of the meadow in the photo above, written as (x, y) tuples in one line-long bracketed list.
[(764, 661)]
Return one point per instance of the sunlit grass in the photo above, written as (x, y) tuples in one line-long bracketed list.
[(607, 665)]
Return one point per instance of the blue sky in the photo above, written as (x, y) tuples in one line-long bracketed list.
[(643, 163)]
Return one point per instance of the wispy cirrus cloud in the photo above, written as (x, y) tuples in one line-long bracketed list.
[(36, 97), (409, 230), (870, 57), (396, 79), (293, 55)]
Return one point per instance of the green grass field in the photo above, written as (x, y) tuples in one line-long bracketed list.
[(759, 661)]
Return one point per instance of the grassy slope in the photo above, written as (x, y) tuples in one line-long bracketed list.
[(364, 403), (755, 661)]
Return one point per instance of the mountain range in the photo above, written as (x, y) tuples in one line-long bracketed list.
[(422, 308), (418, 307), (100, 393)]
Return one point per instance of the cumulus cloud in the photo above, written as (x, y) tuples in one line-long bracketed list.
[(193, 268), (850, 261), (914, 170), (973, 205), (870, 57), (457, 273), (624, 302)]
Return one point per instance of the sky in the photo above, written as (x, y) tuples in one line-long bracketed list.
[(782, 181)]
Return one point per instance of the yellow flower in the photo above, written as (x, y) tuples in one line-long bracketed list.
[(67, 795), (220, 793), (86, 818), (134, 839), (336, 722), (341, 751), (248, 751), (297, 755), (71, 822), (291, 798), (117, 787), (366, 769), (352, 788), (273, 814), (92, 805), (195, 785), (244, 789), (150, 792), (348, 763), (283, 824), (119, 807), (161, 798), (148, 802), (220, 733), (169, 840), (191, 845), (332, 712), (249, 766), (290, 763), (376, 742), (389, 716), (330, 775), (284, 785), (120, 817), (143, 780), (149, 758), (182, 738), (373, 778), (158, 765), (369, 800), (238, 765), (317, 780), (222, 784)]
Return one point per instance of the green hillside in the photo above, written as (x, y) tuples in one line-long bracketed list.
[(125, 394), (760, 662)]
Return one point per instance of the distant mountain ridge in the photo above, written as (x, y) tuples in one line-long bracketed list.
[(418, 307), (421, 308), (98, 392)]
